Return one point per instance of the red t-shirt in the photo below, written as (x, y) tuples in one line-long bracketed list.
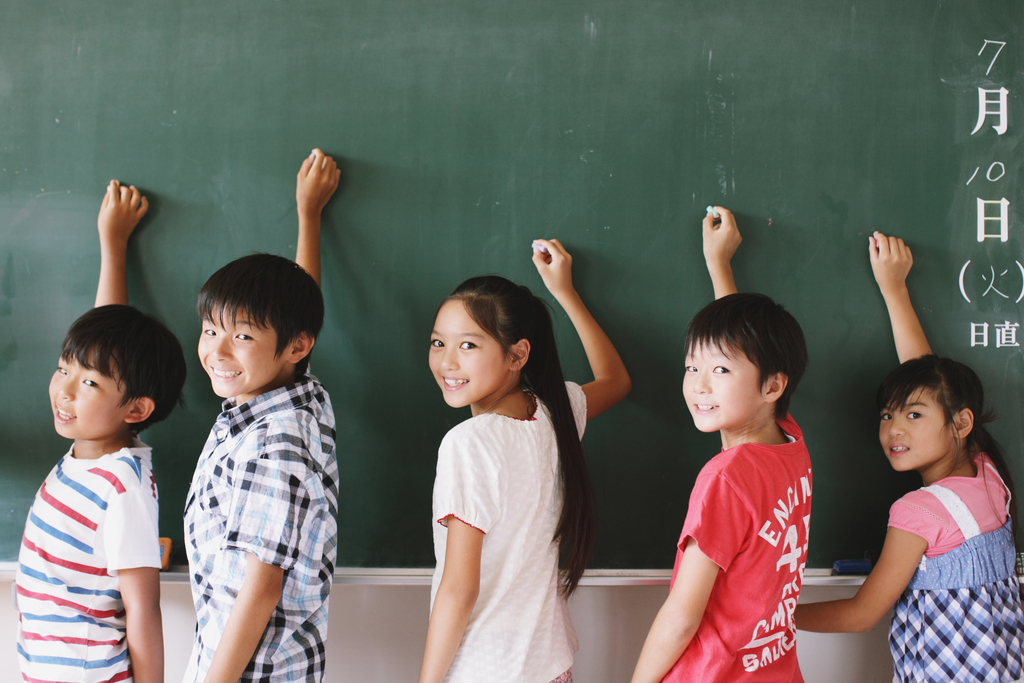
[(750, 512)]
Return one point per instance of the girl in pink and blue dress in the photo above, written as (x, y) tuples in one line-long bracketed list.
[(512, 491), (948, 563)]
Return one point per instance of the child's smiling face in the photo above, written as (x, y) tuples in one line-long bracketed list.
[(469, 365), (723, 392), (242, 359), (87, 407), (917, 437)]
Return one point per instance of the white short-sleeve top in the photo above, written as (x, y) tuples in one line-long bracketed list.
[(501, 475)]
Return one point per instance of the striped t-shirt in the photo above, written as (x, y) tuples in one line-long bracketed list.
[(89, 519)]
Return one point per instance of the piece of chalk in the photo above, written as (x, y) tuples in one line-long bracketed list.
[(540, 247), (712, 211)]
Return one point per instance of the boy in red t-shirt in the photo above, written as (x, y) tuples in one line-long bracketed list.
[(742, 551)]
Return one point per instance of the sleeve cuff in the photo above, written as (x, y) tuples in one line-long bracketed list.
[(444, 522)]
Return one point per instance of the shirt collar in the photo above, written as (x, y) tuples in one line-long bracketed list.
[(137, 448), (237, 417)]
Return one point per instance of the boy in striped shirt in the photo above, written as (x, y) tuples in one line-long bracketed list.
[(88, 582)]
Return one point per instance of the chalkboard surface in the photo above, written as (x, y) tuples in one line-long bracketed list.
[(469, 127)]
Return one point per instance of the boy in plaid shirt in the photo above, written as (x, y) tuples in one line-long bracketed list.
[(260, 520)]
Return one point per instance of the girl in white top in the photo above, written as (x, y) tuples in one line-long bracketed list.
[(512, 489)]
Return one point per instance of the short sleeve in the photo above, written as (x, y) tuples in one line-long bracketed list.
[(717, 518), (131, 531), (921, 514), (468, 481), (578, 401), (271, 505)]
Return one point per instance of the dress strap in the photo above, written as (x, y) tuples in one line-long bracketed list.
[(1005, 487), (957, 509)]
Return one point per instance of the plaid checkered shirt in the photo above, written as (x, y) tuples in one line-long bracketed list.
[(267, 484)]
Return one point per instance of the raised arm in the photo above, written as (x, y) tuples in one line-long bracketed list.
[(891, 262), (317, 180), (611, 381), (120, 212), (721, 240)]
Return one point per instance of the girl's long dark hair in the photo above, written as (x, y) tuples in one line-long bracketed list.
[(955, 387), (509, 312)]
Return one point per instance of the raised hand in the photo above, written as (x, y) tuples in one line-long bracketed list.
[(891, 262), (554, 264), (121, 210), (721, 240), (316, 182)]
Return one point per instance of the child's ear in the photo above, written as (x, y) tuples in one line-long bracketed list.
[(139, 410), (299, 348), (963, 423), (519, 353), (774, 387)]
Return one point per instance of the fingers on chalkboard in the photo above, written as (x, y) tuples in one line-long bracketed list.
[(320, 163), (554, 263), (316, 182), (721, 239), (551, 253), (122, 208), (888, 247), (717, 217), (891, 261)]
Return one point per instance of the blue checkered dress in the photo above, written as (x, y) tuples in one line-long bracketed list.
[(266, 484), (960, 618)]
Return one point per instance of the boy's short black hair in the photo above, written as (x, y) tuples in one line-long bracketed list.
[(135, 349), (761, 330), (267, 291)]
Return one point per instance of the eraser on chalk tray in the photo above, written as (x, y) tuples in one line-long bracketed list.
[(165, 553), (713, 211), (851, 567)]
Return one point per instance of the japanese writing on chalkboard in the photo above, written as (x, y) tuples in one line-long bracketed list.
[(993, 218), (1005, 334)]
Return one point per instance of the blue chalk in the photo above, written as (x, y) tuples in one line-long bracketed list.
[(712, 211)]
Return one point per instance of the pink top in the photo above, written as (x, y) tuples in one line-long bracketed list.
[(921, 513)]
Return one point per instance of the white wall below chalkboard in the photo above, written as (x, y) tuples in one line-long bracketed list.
[(377, 633)]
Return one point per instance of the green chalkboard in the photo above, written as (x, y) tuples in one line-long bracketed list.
[(468, 127)]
